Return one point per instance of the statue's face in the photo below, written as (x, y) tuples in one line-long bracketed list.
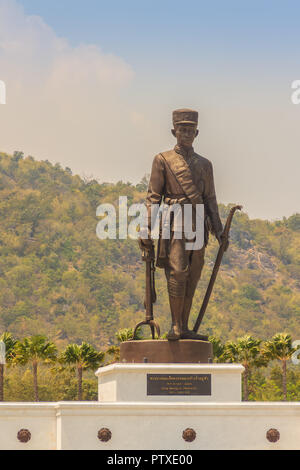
[(185, 134)]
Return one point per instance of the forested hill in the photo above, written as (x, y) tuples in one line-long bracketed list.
[(57, 278)]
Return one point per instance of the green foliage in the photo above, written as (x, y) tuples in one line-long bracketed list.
[(279, 347), (126, 334), (245, 350), (293, 222), (113, 352), (10, 344), (84, 356), (218, 348), (35, 349), (80, 358), (273, 385), (268, 386), (54, 385)]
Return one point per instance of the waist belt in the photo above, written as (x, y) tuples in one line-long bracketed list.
[(177, 199)]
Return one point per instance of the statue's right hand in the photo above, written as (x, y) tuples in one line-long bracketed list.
[(145, 243)]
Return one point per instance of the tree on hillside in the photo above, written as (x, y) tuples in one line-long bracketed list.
[(293, 222), (246, 351), (9, 343), (143, 184), (17, 156), (35, 350), (280, 348), (81, 358)]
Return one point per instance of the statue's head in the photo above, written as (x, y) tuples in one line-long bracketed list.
[(185, 123)]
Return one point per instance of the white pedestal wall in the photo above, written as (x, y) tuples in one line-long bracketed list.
[(137, 426), (128, 382), (38, 418)]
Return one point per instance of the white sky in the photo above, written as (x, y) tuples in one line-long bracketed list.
[(100, 116)]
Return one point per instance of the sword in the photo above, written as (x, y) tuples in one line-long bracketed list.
[(148, 255), (222, 249)]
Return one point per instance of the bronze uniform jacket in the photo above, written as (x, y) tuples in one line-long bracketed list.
[(163, 186)]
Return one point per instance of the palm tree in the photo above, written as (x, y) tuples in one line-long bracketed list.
[(245, 351), (8, 343), (83, 357), (35, 350), (280, 347), (218, 348), (114, 352)]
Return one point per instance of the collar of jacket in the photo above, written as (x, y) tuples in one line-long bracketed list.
[(186, 153)]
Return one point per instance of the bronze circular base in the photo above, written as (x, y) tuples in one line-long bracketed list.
[(184, 351)]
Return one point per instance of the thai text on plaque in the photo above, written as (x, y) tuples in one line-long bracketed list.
[(178, 384)]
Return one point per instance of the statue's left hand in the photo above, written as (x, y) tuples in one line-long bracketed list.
[(220, 238)]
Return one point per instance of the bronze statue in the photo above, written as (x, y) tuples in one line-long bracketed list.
[(181, 176)]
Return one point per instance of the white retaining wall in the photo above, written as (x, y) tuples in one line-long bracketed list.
[(151, 425)]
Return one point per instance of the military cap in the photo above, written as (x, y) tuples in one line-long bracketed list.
[(185, 116)]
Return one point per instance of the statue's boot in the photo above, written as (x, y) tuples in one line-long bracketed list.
[(186, 333), (176, 304)]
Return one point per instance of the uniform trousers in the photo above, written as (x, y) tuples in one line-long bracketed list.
[(183, 268)]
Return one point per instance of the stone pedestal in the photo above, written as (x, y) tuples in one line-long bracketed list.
[(184, 351), (218, 383)]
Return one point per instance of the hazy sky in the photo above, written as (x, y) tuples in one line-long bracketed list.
[(92, 84)]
